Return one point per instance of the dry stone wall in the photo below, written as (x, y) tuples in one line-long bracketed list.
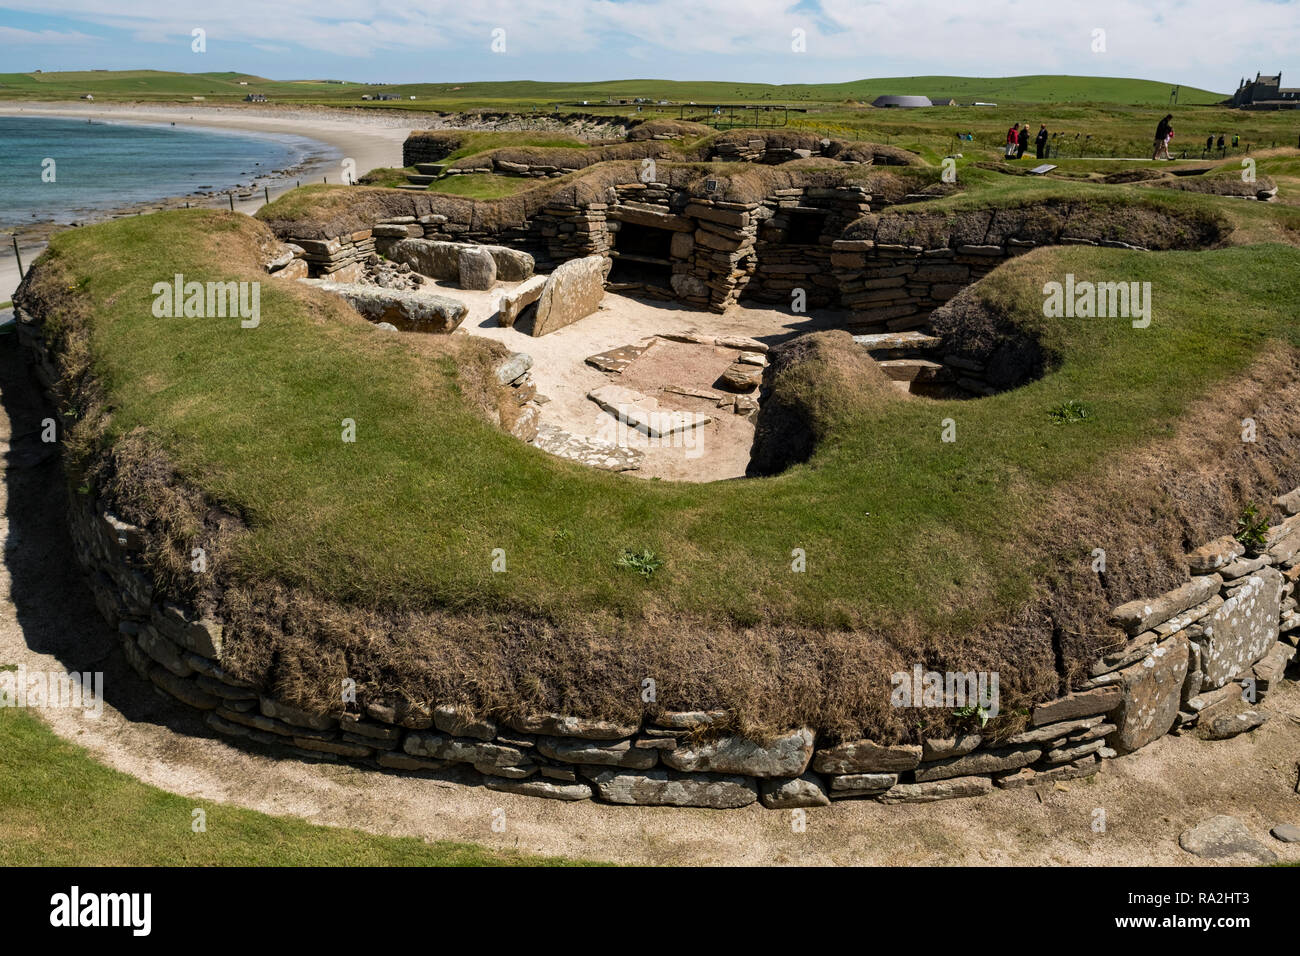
[(1198, 658)]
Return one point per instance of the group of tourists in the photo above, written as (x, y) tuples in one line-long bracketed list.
[(1165, 136), (1018, 140)]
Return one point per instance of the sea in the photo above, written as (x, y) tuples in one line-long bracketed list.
[(74, 170)]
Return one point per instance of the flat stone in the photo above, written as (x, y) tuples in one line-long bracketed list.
[(1286, 832), (1221, 837), (867, 756), (576, 750), (1243, 629), (937, 790), (1223, 723), (1151, 692), (1289, 502), (573, 291), (550, 789), (404, 310), (1029, 777), (783, 794), (642, 413), (1064, 728), (457, 721), (859, 784), (202, 636), (740, 377), (785, 756), (513, 302), (660, 788), (562, 725), (939, 748), (589, 450), (277, 710), (1086, 703), (979, 762), (1138, 616), (616, 360), (1216, 554)]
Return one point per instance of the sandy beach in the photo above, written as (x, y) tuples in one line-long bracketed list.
[(368, 139)]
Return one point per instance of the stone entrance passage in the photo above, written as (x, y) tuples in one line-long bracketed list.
[(642, 258)]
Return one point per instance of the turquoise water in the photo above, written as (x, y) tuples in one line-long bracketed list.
[(99, 166)]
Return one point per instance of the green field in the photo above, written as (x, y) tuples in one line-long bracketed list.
[(62, 808), (525, 94)]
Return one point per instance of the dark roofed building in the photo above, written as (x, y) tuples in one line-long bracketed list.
[(1265, 93)]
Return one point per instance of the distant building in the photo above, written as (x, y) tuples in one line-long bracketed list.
[(1265, 93), (901, 102), (255, 98), (386, 96), (942, 101), (87, 96)]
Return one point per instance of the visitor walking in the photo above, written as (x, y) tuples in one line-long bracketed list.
[(1013, 140), (1209, 142), (1023, 140), (1236, 140), (1220, 144), (1164, 133), (1041, 140)]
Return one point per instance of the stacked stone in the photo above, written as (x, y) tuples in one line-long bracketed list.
[(1205, 654), (782, 267), (723, 259), (341, 259), (519, 409)]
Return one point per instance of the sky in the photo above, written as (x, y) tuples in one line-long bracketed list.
[(1201, 43)]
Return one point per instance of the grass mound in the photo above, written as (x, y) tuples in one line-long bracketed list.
[(374, 559)]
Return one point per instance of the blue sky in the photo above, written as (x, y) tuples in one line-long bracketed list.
[(1193, 42)]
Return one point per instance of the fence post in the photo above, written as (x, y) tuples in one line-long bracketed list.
[(231, 196), (266, 191), (18, 256)]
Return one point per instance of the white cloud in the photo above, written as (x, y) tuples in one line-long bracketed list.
[(1201, 42), (15, 37)]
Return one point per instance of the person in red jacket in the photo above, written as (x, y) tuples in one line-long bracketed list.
[(1013, 140)]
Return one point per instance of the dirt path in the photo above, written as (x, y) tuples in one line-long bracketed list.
[(48, 622)]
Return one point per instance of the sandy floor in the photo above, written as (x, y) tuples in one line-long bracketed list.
[(713, 452), (48, 622)]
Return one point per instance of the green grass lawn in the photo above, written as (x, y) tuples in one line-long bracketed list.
[(257, 416), (59, 807), (482, 185)]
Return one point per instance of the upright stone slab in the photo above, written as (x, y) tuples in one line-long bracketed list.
[(478, 270), (1150, 690), (1243, 629), (519, 298), (573, 291)]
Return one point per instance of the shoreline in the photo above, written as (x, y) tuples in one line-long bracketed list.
[(368, 142)]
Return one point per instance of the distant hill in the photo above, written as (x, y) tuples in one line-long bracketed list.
[(160, 86)]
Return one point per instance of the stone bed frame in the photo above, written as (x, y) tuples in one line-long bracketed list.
[(1190, 659)]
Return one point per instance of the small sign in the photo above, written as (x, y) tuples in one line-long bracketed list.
[(1040, 170), (710, 185)]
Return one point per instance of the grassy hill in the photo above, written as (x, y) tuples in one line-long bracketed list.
[(158, 85)]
